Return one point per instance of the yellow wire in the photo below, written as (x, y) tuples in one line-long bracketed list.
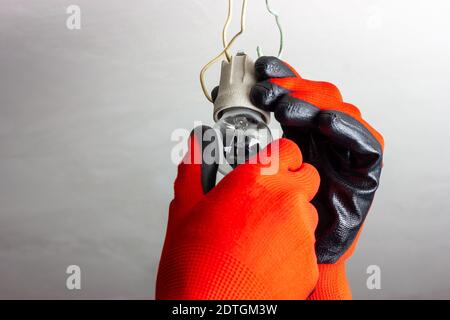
[(227, 47), (225, 28)]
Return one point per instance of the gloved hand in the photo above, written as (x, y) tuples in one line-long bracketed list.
[(249, 237), (341, 145)]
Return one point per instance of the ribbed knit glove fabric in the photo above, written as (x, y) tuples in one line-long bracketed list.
[(249, 237), (341, 145)]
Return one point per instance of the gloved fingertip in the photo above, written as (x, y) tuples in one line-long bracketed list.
[(214, 93), (265, 94), (193, 154), (198, 168), (290, 155), (280, 155), (187, 186), (293, 112), (308, 177), (271, 67)]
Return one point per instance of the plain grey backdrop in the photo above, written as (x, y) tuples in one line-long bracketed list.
[(86, 117)]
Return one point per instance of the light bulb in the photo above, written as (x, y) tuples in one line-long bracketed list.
[(242, 126), (243, 134)]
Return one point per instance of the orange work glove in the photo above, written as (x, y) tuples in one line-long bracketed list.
[(344, 148), (249, 237)]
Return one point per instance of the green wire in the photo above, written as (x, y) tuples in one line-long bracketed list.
[(280, 29)]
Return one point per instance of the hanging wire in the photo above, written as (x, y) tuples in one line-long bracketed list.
[(225, 29), (280, 29), (227, 47)]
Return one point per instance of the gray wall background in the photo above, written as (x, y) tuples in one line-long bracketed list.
[(86, 118)]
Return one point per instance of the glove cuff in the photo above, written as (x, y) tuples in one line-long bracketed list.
[(332, 284)]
